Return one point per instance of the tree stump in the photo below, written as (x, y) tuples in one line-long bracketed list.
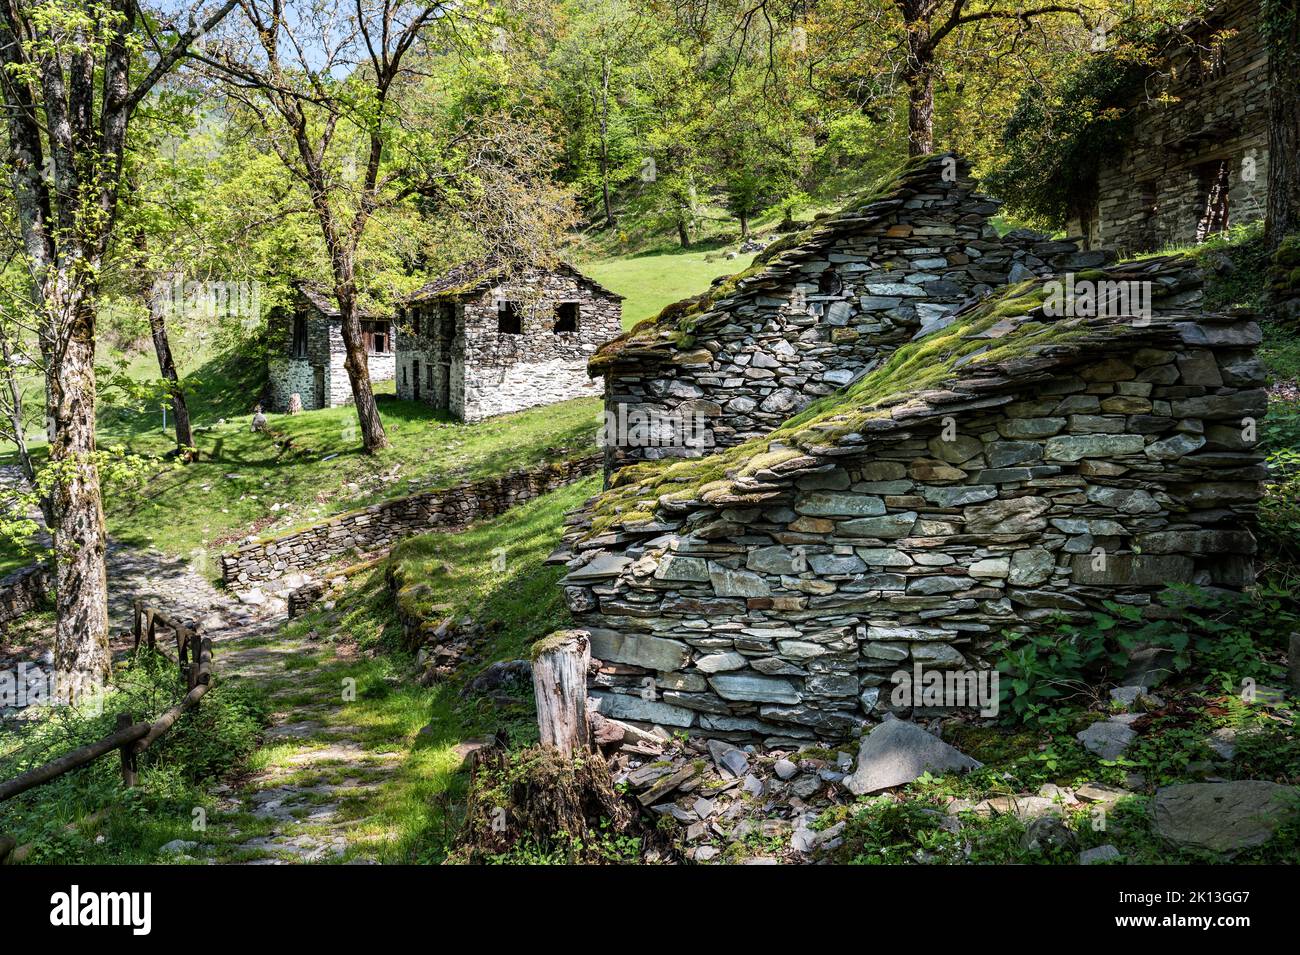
[(560, 683), (295, 403)]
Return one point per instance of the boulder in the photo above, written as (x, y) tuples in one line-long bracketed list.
[(897, 752), (1222, 817), (1106, 738)]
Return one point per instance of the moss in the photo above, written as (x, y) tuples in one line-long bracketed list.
[(913, 368)]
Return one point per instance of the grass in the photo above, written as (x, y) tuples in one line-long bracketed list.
[(306, 466), (651, 280), (412, 816)]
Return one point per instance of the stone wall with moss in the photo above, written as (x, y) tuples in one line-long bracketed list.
[(1015, 465), (380, 526), (815, 313)]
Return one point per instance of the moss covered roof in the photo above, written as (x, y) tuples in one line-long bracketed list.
[(992, 348), (679, 325), (475, 277)]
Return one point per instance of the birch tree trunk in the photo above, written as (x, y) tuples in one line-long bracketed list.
[(81, 653)]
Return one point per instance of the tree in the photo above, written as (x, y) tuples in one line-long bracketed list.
[(926, 25), (74, 75), (317, 68), (1280, 22)]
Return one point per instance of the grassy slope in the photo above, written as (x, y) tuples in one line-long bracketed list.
[(651, 280), (308, 466)]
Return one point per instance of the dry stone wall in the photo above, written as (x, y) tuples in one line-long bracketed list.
[(819, 315), (381, 525), (1204, 115), (779, 602), (480, 371), (24, 591)]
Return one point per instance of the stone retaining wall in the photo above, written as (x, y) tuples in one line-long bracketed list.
[(381, 525), (24, 591)]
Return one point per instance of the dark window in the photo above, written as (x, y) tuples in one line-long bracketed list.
[(446, 325), (428, 375), (566, 317), (300, 336), (415, 322), (510, 320), (376, 337)]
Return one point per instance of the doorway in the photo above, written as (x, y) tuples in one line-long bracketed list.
[(415, 377)]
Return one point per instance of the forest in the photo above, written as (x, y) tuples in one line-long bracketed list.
[(674, 432)]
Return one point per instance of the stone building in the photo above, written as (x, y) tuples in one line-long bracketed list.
[(309, 355), (479, 343), (814, 313), (1060, 444), (1197, 158)]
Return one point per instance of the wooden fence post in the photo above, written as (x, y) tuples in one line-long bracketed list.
[(128, 753), (560, 684)]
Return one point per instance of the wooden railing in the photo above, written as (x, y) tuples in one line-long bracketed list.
[(130, 739)]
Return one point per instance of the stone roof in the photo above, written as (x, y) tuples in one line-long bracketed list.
[(325, 303), (978, 359), (473, 278), (684, 322)]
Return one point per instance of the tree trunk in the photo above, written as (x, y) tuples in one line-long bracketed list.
[(167, 367), (683, 236), (357, 365), (604, 146), (1282, 23), (744, 225), (15, 402), (920, 110), (560, 685), (918, 76), (81, 653)]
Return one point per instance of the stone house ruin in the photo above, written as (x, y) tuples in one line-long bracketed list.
[(480, 343), (815, 312), (309, 353), (1197, 159), (1057, 445)]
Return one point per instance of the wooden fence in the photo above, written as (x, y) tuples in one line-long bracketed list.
[(130, 739)]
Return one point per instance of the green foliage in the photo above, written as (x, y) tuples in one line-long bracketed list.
[(61, 818), (1219, 635), (1058, 137)]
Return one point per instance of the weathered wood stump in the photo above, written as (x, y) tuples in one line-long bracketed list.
[(295, 403), (560, 664)]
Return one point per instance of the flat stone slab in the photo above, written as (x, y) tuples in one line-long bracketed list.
[(1222, 817), (1107, 738), (897, 752)]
